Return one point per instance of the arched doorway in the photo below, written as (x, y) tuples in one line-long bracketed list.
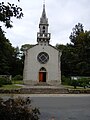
[(42, 75)]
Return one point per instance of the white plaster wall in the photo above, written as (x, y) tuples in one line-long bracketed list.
[(32, 66)]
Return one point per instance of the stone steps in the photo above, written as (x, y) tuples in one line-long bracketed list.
[(43, 91), (37, 90)]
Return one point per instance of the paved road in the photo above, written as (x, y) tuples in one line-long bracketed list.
[(61, 107)]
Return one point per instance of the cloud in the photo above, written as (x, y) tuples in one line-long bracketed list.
[(63, 15)]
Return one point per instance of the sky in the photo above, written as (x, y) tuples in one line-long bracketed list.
[(62, 16)]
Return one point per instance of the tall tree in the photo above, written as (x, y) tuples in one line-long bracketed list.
[(83, 51), (75, 60), (8, 11), (9, 61), (6, 53), (81, 47), (75, 33)]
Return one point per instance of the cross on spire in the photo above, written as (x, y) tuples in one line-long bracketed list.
[(43, 1), (44, 5)]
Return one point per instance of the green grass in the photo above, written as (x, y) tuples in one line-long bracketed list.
[(77, 88), (12, 86), (17, 81), (9, 87)]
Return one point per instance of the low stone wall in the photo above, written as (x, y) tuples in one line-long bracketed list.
[(78, 91), (43, 91)]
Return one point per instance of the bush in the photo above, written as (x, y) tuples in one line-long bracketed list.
[(84, 82), (81, 82), (18, 109), (66, 80), (18, 77), (74, 83), (5, 81)]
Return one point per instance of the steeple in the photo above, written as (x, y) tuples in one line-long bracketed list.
[(44, 19), (43, 36)]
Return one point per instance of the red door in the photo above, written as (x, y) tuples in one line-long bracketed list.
[(40, 76)]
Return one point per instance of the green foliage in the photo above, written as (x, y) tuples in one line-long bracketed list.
[(26, 47), (66, 80), (18, 109), (18, 77), (81, 82), (10, 62), (74, 83), (76, 31), (84, 81), (75, 59), (5, 81), (10, 87), (6, 52), (8, 11)]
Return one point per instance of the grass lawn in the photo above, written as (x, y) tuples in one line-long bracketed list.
[(77, 88), (14, 85), (9, 87), (17, 81)]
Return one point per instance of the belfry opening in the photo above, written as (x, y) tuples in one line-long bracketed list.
[(42, 75)]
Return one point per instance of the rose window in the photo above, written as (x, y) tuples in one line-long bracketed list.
[(43, 57)]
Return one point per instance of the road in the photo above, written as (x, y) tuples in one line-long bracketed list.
[(61, 107)]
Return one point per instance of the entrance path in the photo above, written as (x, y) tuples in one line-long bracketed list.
[(40, 86)]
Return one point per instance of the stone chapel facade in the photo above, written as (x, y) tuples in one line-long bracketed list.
[(42, 62)]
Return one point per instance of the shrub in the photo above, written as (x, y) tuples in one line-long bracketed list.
[(84, 82), (18, 109), (5, 81), (18, 77), (66, 80), (74, 83)]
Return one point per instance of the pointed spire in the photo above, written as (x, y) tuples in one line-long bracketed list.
[(44, 13), (43, 36), (43, 5), (43, 19)]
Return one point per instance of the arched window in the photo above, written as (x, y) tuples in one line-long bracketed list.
[(43, 69), (43, 29)]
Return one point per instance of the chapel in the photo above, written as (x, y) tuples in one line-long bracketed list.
[(42, 61)]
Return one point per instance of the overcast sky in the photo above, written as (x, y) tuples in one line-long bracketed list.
[(62, 15)]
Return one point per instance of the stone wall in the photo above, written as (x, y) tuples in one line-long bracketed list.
[(43, 91)]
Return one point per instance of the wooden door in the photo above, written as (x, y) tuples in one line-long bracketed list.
[(40, 76)]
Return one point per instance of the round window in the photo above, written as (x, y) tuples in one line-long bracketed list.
[(43, 57)]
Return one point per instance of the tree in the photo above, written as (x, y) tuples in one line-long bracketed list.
[(6, 53), (81, 47), (9, 61), (83, 51), (26, 47), (76, 31), (18, 109), (75, 59), (8, 11)]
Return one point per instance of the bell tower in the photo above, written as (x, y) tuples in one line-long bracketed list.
[(43, 37)]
